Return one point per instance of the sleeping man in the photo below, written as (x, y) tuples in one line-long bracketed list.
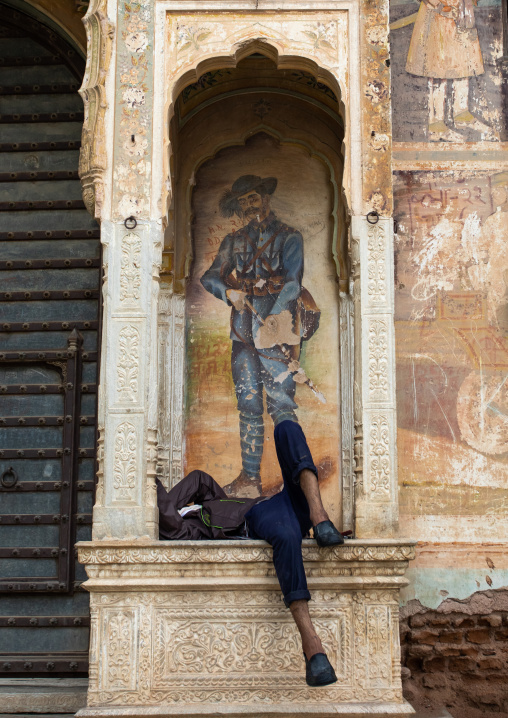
[(282, 520)]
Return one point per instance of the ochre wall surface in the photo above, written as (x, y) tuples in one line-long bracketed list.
[(450, 183), (451, 303)]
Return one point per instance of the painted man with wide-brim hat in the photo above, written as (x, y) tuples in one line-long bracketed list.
[(258, 272)]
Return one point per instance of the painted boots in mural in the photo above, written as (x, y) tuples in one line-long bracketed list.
[(248, 482)]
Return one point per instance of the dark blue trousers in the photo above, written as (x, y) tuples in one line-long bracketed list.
[(284, 519)]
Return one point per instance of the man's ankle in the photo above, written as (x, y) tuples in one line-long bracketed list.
[(312, 646), (318, 518)]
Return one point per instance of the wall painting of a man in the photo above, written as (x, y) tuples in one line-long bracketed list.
[(260, 310)]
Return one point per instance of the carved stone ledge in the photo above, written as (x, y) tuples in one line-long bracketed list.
[(121, 552), (42, 695), (199, 628)]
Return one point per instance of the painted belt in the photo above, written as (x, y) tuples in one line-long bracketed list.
[(257, 286)]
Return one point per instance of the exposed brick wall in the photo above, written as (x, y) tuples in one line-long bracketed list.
[(457, 655)]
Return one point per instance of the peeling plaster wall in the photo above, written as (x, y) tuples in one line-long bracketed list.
[(446, 571), (450, 185)]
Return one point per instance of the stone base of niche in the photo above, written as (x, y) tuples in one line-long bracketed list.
[(192, 629)]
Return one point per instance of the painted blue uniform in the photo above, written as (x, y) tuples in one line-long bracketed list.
[(266, 261)]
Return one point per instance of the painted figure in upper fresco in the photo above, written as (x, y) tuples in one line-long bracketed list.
[(445, 46), (258, 271)]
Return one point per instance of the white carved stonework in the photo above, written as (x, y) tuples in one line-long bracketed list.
[(379, 644), (171, 381), (219, 554), (346, 317), (177, 375), (93, 159), (164, 417), (125, 463), (190, 644), (130, 272), (376, 268), (99, 489), (43, 702), (118, 647), (376, 507), (93, 653), (323, 38), (42, 695), (194, 36), (203, 624), (379, 457), (378, 360), (128, 364)]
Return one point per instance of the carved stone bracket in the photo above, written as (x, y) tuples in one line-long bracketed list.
[(93, 154)]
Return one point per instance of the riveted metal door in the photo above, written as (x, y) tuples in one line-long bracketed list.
[(49, 328)]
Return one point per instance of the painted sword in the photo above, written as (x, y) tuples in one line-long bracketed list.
[(319, 395)]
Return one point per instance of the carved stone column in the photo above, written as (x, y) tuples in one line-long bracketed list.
[(376, 436), (115, 170), (347, 370), (171, 379), (126, 502)]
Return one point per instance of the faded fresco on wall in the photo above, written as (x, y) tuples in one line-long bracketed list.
[(452, 348), (445, 72), (262, 316)]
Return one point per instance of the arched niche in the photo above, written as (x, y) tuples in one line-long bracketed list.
[(185, 67), (254, 118)]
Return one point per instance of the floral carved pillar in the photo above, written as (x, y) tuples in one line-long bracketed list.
[(116, 175), (376, 495), (371, 234)]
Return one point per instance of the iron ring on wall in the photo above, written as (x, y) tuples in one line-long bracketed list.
[(131, 222), (9, 484)]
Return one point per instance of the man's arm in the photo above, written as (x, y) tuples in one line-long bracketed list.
[(292, 269), (223, 264)]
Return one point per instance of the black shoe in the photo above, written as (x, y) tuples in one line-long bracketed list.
[(326, 534), (319, 671)]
